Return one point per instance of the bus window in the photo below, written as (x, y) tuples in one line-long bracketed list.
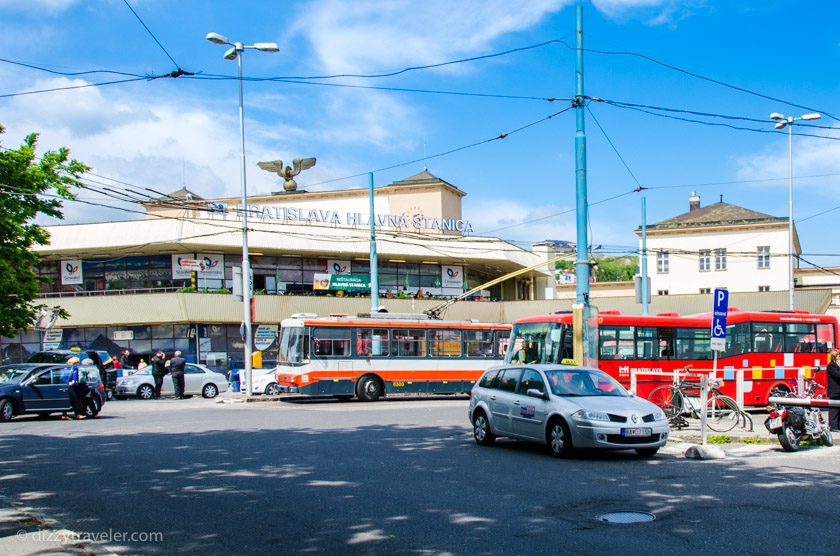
[(825, 337), (478, 343), (331, 342), (410, 342), (666, 342), (737, 339), (372, 342), (502, 340), (445, 343), (768, 337), (616, 342), (692, 343), (646, 344), (800, 338)]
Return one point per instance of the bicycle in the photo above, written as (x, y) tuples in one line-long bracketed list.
[(722, 412)]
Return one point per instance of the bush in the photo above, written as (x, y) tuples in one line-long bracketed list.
[(719, 439), (187, 289)]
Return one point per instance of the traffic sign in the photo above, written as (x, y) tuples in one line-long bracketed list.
[(719, 311)]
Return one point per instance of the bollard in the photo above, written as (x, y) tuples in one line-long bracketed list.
[(704, 402), (739, 388), (633, 381)]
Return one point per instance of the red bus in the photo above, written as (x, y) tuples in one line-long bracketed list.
[(768, 344)]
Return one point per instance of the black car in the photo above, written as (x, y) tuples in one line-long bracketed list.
[(60, 357), (42, 389)]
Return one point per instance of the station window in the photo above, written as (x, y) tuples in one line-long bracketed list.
[(720, 259), (705, 260), (764, 288), (662, 262), (705, 290)]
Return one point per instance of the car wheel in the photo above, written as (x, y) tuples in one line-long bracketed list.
[(145, 392), (481, 429), (369, 388), (559, 439), (210, 391), (647, 452), (93, 407), (271, 389), (7, 410)]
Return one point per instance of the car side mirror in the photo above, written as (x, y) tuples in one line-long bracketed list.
[(534, 393)]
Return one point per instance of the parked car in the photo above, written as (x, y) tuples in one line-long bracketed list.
[(105, 366), (564, 407), (264, 381), (42, 389), (198, 379)]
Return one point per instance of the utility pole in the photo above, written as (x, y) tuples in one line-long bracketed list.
[(374, 271), (582, 208), (645, 280)]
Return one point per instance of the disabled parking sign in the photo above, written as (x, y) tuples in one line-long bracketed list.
[(719, 310)]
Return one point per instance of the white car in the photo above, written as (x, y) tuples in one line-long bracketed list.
[(198, 379), (264, 381)]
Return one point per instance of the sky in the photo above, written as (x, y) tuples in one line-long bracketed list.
[(743, 59)]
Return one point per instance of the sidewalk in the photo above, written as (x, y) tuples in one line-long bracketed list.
[(738, 442), (24, 532)]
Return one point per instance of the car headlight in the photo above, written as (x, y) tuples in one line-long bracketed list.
[(659, 415), (585, 415)]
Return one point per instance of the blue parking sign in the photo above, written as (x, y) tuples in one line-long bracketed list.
[(719, 311)]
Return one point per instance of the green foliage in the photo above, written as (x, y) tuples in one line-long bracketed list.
[(719, 439), (615, 269), (187, 289), (220, 290), (755, 440), (28, 188), (564, 265)]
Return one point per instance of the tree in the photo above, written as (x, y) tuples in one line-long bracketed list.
[(615, 269), (29, 187)]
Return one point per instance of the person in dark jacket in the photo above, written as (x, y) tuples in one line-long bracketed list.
[(176, 366), (833, 388), (125, 363), (159, 371)]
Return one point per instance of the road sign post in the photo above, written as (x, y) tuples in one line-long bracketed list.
[(720, 307)]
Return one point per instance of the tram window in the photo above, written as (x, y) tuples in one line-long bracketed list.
[(410, 342), (445, 343), (331, 342), (372, 342), (478, 343), (825, 337), (800, 338)]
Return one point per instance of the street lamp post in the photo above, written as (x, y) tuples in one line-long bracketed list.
[(235, 52), (781, 123)]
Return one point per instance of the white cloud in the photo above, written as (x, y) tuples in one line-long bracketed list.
[(656, 12), (48, 6)]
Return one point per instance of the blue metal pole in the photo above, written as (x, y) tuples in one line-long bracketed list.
[(374, 271), (645, 300), (582, 262)]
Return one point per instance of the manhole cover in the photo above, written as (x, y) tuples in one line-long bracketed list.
[(626, 517)]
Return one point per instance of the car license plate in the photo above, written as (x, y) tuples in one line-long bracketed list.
[(776, 423), (636, 432)]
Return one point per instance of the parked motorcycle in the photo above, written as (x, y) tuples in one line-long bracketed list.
[(792, 424)]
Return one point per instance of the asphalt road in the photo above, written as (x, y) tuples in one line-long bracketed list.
[(396, 477)]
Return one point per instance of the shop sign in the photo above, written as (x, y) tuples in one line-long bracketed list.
[(211, 266), (52, 339), (451, 276), (71, 272), (344, 282), (264, 336), (335, 266), (180, 271), (123, 335)]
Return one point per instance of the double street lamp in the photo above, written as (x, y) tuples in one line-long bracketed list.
[(781, 123), (235, 52)]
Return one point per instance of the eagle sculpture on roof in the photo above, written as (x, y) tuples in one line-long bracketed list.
[(288, 172)]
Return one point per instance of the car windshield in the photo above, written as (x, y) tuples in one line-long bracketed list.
[(12, 375), (583, 382)]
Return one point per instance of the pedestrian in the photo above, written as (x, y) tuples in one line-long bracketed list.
[(142, 364), (833, 388), (77, 390), (125, 361), (159, 371), (176, 366)]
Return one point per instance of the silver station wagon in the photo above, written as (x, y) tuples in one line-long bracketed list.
[(565, 408)]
